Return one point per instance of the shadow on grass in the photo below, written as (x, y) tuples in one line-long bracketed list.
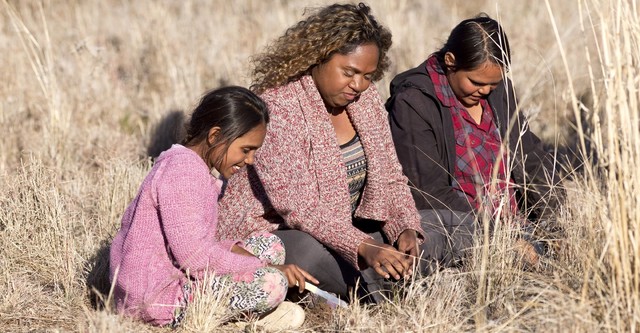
[(169, 130), (98, 277)]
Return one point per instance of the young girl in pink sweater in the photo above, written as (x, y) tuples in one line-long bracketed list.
[(167, 241)]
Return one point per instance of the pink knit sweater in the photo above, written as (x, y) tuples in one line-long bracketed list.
[(169, 231), (300, 180)]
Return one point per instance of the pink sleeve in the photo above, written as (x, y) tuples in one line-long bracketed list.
[(404, 214), (187, 204)]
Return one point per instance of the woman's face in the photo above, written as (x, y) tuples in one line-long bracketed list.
[(341, 79), (241, 151), (470, 86)]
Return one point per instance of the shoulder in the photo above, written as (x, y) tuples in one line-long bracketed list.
[(412, 97), (414, 78), (179, 154), (503, 98), (284, 94), (178, 160), (412, 87)]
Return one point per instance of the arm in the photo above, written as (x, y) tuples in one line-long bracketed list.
[(535, 169), (412, 117), (186, 198), (402, 226)]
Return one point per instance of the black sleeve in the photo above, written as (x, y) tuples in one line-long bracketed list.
[(541, 193), (413, 118)]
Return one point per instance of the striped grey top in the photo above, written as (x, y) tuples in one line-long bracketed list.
[(356, 163)]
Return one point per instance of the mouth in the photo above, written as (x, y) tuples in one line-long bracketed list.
[(350, 96), (235, 169)]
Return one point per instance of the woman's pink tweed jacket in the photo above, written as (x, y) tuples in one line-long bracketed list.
[(302, 177)]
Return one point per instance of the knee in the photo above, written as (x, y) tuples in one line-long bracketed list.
[(266, 246), (274, 286)]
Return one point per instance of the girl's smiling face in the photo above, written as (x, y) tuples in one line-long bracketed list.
[(470, 86), (240, 153)]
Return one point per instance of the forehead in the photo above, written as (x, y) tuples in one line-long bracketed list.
[(487, 72), (253, 137), (363, 58)]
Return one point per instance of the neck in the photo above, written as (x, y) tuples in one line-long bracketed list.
[(334, 111)]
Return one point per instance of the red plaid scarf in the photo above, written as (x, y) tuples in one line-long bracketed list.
[(477, 149)]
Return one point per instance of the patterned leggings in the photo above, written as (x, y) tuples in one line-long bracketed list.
[(256, 291)]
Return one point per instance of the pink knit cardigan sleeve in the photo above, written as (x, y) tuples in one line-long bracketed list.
[(186, 195)]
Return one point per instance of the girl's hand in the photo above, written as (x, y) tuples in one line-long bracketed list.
[(295, 275), (385, 259), (241, 251)]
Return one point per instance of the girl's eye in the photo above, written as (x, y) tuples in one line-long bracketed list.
[(348, 74), (368, 77)]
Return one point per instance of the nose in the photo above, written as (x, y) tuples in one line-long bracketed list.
[(358, 84), (250, 158), (485, 90)]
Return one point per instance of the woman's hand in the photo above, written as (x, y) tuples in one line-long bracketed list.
[(385, 259), (295, 275), (408, 242)]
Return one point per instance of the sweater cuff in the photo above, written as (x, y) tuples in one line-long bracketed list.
[(251, 262), (352, 255), (393, 230)]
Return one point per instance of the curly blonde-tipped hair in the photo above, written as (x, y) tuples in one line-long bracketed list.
[(338, 28)]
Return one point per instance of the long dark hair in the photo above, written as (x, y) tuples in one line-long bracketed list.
[(475, 41), (235, 110)]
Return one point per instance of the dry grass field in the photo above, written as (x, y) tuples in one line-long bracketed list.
[(83, 83)]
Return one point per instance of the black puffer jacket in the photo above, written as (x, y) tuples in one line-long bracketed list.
[(424, 138)]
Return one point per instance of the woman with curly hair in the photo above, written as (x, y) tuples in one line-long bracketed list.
[(327, 180)]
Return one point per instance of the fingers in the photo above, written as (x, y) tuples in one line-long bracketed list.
[(385, 259), (296, 276), (308, 276), (408, 242), (382, 272), (392, 263), (299, 279), (300, 276)]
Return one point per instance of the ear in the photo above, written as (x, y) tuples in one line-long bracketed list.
[(213, 132), (450, 60)]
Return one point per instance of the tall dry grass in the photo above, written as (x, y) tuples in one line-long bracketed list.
[(85, 82)]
